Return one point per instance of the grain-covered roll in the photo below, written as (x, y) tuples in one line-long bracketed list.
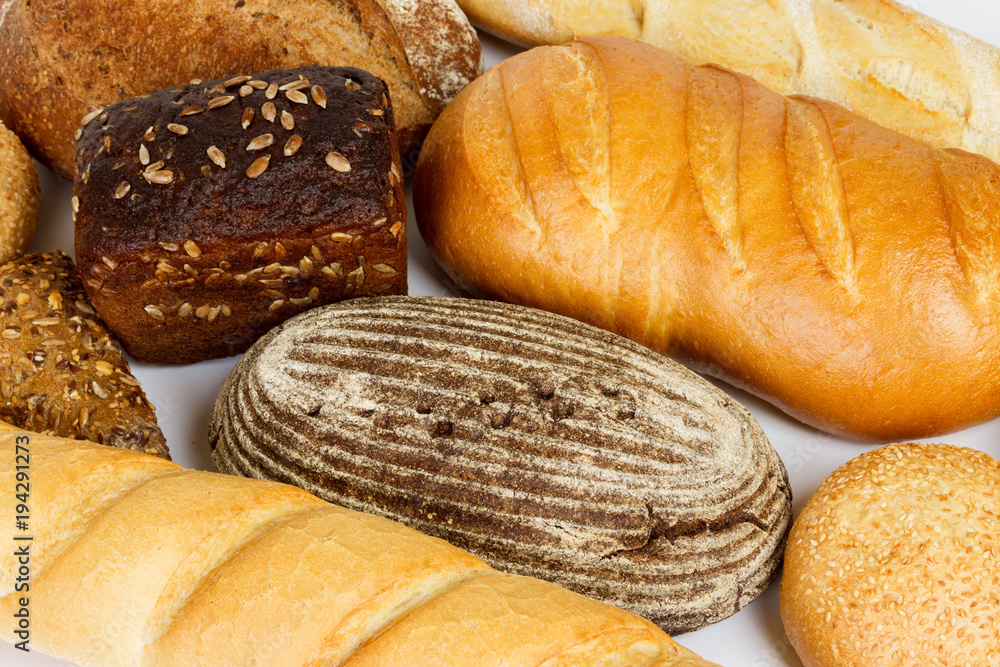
[(894, 562), (545, 446), (19, 197)]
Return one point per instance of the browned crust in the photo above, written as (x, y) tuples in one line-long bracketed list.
[(202, 265), (19, 197), (61, 59), (61, 373)]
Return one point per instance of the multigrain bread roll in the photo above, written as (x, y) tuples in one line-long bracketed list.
[(62, 59), (548, 448), (61, 372), (207, 214), (880, 59), (19, 200), (839, 269), (136, 561), (894, 562)]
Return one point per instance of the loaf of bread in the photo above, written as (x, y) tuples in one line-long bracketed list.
[(544, 446), (894, 562), (207, 214), (880, 59), (61, 372), (841, 270), (136, 561), (60, 60), (19, 197)]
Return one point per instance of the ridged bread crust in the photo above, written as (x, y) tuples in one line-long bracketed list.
[(547, 447), (839, 269), (894, 562), (880, 59), (61, 59), (136, 561)]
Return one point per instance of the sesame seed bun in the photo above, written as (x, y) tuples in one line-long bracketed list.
[(18, 197), (894, 562)]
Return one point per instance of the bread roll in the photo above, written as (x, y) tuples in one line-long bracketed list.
[(894, 562), (19, 197), (880, 59), (62, 59), (136, 561), (207, 214), (841, 270), (544, 446)]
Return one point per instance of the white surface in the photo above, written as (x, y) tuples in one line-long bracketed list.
[(184, 395)]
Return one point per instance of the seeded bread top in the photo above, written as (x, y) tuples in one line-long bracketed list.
[(19, 190), (222, 162)]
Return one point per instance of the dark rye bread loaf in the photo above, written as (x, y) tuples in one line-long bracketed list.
[(207, 214), (61, 372), (545, 446)]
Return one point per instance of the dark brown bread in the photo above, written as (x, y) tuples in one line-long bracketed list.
[(208, 214), (544, 446), (61, 59), (61, 373)]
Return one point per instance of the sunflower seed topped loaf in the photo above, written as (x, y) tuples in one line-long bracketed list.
[(61, 373), (544, 446), (206, 214)]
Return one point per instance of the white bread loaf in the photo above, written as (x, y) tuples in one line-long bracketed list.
[(880, 59), (136, 561), (843, 271)]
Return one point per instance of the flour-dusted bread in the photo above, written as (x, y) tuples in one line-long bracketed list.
[(206, 214), (61, 372), (62, 59), (894, 562), (547, 447), (839, 269), (136, 561), (880, 59), (19, 200)]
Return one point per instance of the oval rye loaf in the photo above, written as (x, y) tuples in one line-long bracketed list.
[(545, 446)]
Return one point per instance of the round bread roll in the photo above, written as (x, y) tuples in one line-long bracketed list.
[(894, 562), (18, 197)]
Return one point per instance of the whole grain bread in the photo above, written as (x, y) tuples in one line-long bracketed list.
[(207, 214), (62, 59), (546, 447), (61, 372)]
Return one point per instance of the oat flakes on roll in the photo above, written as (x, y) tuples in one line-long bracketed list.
[(894, 562), (206, 214), (544, 446), (19, 197), (61, 372)]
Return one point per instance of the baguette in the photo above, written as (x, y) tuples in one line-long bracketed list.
[(843, 271), (880, 59), (62, 59), (136, 561)]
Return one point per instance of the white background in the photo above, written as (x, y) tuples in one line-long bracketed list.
[(184, 395)]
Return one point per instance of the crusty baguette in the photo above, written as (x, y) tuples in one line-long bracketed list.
[(136, 561), (61, 59), (844, 271), (894, 562), (878, 58)]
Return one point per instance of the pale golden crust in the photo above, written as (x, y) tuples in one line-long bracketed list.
[(137, 561), (19, 200), (894, 562), (837, 268)]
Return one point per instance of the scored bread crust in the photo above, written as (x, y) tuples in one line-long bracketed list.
[(880, 59), (841, 270), (62, 59), (137, 561), (893, 561)]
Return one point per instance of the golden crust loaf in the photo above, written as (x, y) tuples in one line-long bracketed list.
[(19, 200), (880, 59), (840, 269), (137, 561), (61, 59), (894, 562)]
